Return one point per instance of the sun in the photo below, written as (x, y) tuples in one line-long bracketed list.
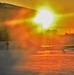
[(44, 17)]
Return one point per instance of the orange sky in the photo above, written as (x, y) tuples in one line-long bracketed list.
[(61, 7)]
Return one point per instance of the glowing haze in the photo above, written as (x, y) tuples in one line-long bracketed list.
[(63, 7)]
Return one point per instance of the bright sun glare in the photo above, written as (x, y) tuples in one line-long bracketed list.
[(44, 17)]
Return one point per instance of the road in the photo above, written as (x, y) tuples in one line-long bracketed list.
[(15, 62)]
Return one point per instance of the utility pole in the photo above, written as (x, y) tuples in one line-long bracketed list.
[(7, 38)]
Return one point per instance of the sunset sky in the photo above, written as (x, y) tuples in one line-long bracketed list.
[(60, 7), (63, 6)]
